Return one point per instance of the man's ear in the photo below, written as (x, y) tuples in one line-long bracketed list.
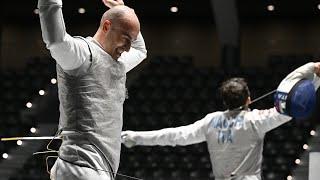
[(106, 25)]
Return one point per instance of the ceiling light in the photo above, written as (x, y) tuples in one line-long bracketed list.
[(19, 142), (5, 155), (312, 132), (174, 9), (41, 92), (33, 130), (81, 10), (53, 81), (270, 7), (29, 104)]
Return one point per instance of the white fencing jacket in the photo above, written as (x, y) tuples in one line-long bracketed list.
[(234, 139)]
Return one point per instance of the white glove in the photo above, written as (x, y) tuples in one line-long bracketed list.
[(127, 138), (112, 3)]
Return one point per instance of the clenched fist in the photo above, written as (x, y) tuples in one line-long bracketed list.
[(127, 138)]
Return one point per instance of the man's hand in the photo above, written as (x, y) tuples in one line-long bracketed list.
[(317, 68), (127, 138), (112, 3)]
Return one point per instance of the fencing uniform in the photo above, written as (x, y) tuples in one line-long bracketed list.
[(234, 138), (91, 87)]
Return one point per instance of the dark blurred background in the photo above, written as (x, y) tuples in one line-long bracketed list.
[(192, 47)]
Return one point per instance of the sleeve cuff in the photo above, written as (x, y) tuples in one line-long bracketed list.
[(139, 42), (49, 2), (309, 67)]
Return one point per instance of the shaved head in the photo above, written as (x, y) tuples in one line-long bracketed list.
[(121, 16), (119, 27)]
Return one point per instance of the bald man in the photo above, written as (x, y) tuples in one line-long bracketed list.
[(91, 85)]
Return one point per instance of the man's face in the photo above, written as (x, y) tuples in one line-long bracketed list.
[(120, 39)]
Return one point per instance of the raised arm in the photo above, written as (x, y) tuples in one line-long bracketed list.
[(266, 120), (69, 52), (136, 54), (309, 71), (184, 135)]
